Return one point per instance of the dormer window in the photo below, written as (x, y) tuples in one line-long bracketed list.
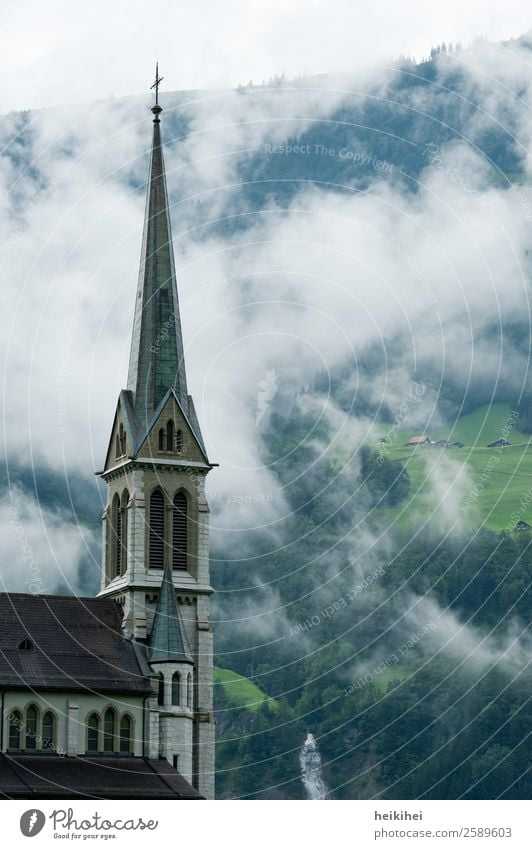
[(25, 645)]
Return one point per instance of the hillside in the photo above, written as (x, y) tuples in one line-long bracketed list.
[(492, 488), (380, 597)]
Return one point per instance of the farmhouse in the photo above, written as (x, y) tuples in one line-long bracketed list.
[(417, 440)]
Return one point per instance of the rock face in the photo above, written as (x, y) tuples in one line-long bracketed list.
[(311, 770)]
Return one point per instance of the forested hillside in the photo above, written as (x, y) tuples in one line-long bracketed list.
[(375, 594)]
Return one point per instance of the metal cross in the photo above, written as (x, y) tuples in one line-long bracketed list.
[(158, 80)]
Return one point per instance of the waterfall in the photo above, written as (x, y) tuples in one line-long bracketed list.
[(311, 770)]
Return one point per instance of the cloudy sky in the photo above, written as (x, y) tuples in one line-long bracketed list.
[(300, 291), (62, 51)]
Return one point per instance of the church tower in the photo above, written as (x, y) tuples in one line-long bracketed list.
[(155, 525)]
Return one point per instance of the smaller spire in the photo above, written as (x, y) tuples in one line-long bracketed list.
[(167, 639), (156, 109)]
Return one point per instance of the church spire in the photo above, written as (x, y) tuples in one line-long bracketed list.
[(167, 639), (156, 361)]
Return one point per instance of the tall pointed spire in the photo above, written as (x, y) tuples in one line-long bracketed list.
[(167, 639), (156, 361)]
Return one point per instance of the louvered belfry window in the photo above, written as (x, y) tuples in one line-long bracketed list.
[(117, 542), (179, 532), (157, 530)]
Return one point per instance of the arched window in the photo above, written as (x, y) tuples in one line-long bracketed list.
[(93, 733), (170, 435), (125, 734), (179, 532), (122, 434), (160, 693), (176, 685), (123, 531), (161, 439), (15, 730), (31, 727), (109, 730), (189, 690), (179, 441), (25, 645), (48, 730), (117, 447), (117, 536), (157, 530)]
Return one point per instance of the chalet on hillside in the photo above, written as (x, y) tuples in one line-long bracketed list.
[(499, 443), (417, 440)]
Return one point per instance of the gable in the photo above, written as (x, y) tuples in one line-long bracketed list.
[(123, 433), (184, 444)]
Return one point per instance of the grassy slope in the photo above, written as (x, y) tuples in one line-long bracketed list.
[(240, 691), (444, 477)]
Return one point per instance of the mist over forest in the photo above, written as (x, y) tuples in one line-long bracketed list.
[(353, 260)]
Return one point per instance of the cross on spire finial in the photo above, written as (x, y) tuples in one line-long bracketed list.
[(155, 85)]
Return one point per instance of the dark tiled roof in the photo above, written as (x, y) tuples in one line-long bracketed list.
[(119, 777), (77, 645)]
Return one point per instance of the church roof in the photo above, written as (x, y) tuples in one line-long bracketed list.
[(50, 776), (156, 361), (70, 644), (168, 640)]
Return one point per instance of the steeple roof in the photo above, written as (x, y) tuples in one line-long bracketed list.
[(168, 640), (156, 361)]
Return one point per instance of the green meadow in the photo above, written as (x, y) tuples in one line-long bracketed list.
[(480, 486), (240, 692)]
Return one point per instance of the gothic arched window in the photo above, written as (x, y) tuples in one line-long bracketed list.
[(109, 730), (31, 727), (122, 440), (93, 733), (116, 514), (179, 532), (48, 730), (125, 734), (179, 441), (160, 694), (170, 435), (156, 530), (176, 685), (123, 532), (117, 447), (189, 690), (15, 730), (161, 439)]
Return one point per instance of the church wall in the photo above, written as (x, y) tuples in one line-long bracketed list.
[(71, 711)]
